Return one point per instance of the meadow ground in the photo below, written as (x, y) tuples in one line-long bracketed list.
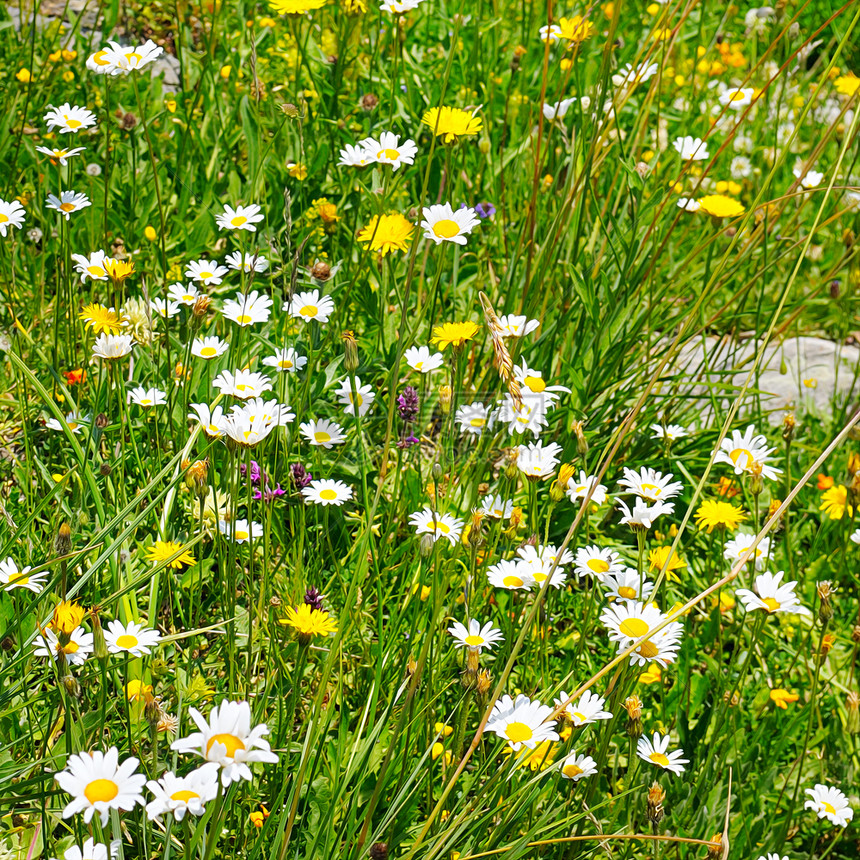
[(360, 499)]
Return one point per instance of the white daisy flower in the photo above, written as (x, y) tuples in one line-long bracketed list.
[(691, 148), (364, 393), (326, 492), (356, 156), (475, 636), (597, 562), (537, 460), (522, 722), (94, 266), (310, 306), (240, 531), (228, 740), (398, 7), (147, 397), (240, 218), (183, 294), (578, 767), (737, 547), (69, 119), (580, 487), (443, 224), (420, 358), (497, 507), (830, 803), (558, 110), (117, 59), (657, 752), (627, 585), (163, 308), (688, 204), (512, 574), (247, 310), (389, 150), (474, 418), (59, 154), (98, 784), (323, 433), (534, 384), (586, 710), (205, 272), (428, 521), (530, 416), (212, 422), (643, 516), (629, 75), (11, 215), (91, 850), (181, 794), (650, 485), (12, 576), (251, 422), (744, 450), (550, 33), (242, 383), (516, 325), (131, 638), (737, 98), (246, 262), (73, 420), (670, 432), (68, 202), (286, 360), (540, 560), (209, 347), (112, 346), (76, 650), (772, 596)]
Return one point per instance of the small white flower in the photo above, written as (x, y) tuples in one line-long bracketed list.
[(421, 359), (205, 272), (656, 751), (691, 148), (830, 803), (181, 794), (68, 202), (240, 218), (475, 636)]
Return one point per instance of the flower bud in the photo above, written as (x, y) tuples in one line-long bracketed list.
[(511, 469), (321, 271), (483, 683), (101, 421), (445, 397), (63, 541), (379, 851), (656, 796), (788, 424), (633, 706), (852, 703), (828, 640), (425, 545), (715, 847), (196, 478), (825, 595), (200, 308), (100, 651), (581, 441), (350, 352)]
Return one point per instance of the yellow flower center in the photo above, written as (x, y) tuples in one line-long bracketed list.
[(772, 604), (184, 795), (633, 627), (519, 732), (473, 641), (309, 311), (321, 436), (96, 271), (241, 534), (571, 770), (828, 807), (535, 384), (243, 319), (206, 274), (478, 422), (73, 123), (513, 582), (238, 221), (70, 648), (208, 351), (598, 565), (126, 641), (98, 58), (737, 96), (286, 364), (440, 527), (390, 154), (736, 455), (103, 790), (446, 228), (652, 490), (67, 207), (231, 742), (328, 495), (627, 592), (648, 650), (579, 716), (659, 758), (3, 218)]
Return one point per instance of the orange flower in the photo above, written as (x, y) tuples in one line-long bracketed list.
[(782, 698), (725, 488), (73, 377), (825, 482)]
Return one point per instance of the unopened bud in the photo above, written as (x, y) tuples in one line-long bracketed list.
[(483, 683), (411, 666), (379, 851), (852, 704), (63, 541), (197, 477), (290, 110), (321, 271), (656, 796), (445, 396), (100, 651), (511, 469), (105, 469), (789, 422), (633, 706), (425, 545), (350, 352), (200, 307), (101, 421), (756, 481), (368, 102), (715, 847), (71, 686), (828, 640), (825, 595), (581, 441)]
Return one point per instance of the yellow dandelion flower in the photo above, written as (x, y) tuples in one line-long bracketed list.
[(652, 675), (135, 690), (720, 206), (297, 170), (783, 698), (451, 122), (712, 515), (162, 550), (101, 319), (847, 84), (834, 503), (118, 270), (309, 622), (576, 29), (657, 560), (453, 334), (387, 233), (67, 616)]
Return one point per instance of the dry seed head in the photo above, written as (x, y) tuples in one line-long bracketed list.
[(504, 362)]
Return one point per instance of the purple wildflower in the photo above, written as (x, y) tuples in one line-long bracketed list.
[(407, 404), (485, 210), (313, 598), (301, 476)]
